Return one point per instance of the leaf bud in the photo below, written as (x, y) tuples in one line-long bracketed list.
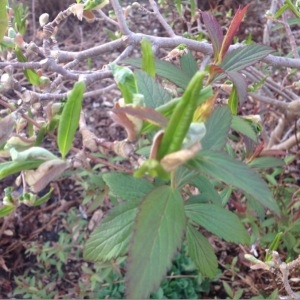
[(43, 19)]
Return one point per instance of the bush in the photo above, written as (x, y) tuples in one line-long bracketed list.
[(181, 161)]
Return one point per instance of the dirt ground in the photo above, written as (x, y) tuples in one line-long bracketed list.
[(43, 223)]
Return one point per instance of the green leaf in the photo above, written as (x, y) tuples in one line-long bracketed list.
[(266, 162), (164, 69), (218, 221), (233, 101), (242, 126), (243, 57), (45, 198), (95, 4), (274, 245), (167, 108), (31, 75), (153, 168), (127, 187), (31, 153), (201, 252), (6, 210), (126, 82), (111, 238), (148, 61), (181, 118), (154, 94), (236, 173), (158, 233), (183, 176), (69, 118), (217, 128), (178, 6), (3, 18), (13, 167), (188, 64)]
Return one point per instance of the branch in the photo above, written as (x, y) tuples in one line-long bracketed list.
[(161, 19), (120, 17), (289, 143)]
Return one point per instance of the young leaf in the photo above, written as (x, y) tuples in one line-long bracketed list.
[(158, 233), (31, 75), (167, 109), (274, 245), (127, 187), (236, 173), (148, 62), (111, 238), (154, 94), (95, 4), (218, 221), (181, 118), (43, 199), (217, 128), (5, 210), (126, 82), (232, 31), (13, 167), (244, 57), (201, 252), (204, 110), (69, 118), (3, 18), (214, 31), (144, 113), (132, 125), (31, 153), (233, 101)]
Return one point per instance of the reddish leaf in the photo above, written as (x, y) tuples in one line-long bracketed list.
[(240, 83), (214, 70), (232, 30), (214, 31), (122, 119), (145, 114)]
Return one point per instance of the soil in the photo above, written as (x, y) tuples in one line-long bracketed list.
[(42, 224)]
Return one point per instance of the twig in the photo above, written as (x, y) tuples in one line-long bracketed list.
[(276, 134), (268, 100), (290, 34), (120, 17), (267, 29), (274, 86), (128, 50), (107, 19), (161, 19), (289, 143)]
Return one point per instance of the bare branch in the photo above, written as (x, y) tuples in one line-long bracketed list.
[(120, 17), (161, 19)]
